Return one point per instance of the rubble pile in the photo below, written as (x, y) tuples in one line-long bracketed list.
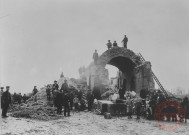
[(39, 108), (37, 112)]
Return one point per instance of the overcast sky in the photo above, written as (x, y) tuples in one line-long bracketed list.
[(41, 38)]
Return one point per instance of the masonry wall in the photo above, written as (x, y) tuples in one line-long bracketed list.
[(143, 77)]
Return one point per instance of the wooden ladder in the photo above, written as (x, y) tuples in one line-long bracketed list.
[(155, 78)]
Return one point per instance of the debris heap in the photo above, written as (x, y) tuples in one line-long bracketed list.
[(42, 109)]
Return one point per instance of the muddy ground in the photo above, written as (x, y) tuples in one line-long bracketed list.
[(86, 123)]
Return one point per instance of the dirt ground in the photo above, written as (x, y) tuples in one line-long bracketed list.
[(86, 123)]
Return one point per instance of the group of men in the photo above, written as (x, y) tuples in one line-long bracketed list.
[(70, 98), (124, 41), (151, 100), (18, 98)]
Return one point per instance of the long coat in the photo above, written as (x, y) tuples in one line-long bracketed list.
[(59, 99), (64, 87), (96, 93), (5, 99)]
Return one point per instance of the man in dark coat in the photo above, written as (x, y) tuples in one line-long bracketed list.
[(125, 40), (19, 98), (138, 109), (96, 93), (1, 95), (59, 101), (185, 105), (71, 96), (15, 97), (65, 86), (6, 101), (25, 98), (90, 99), (95, 57), (79, 94), (35, 90), (66, 103), (48, 92), (109, 45), (115, 44), (121, 93), (2, 90), (143, 94), (55, 86)]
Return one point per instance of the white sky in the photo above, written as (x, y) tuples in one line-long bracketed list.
[(41, 38)]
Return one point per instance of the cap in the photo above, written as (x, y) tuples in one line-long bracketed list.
[(2, 87), (7, 86), (55, 81)]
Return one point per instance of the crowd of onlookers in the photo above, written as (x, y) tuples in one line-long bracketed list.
[(79, 99), (71, 98)]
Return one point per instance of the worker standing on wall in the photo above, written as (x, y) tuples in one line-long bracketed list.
[(109, 45), (124, 41)]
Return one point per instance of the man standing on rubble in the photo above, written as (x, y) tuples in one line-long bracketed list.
[(95, 57), (55, 86), (35, 93), (35, 90), (19, 98), (6, 101), (24, 98), (65, 86), (48, 92)]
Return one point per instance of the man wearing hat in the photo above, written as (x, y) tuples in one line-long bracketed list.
[(35, 90), (2, 90), (125, 40), (66, 103), (65, 86), (109, 45), (48, 92), (55, 86), (95, 57), (115, 44), (90, 99), (6, 101), (1, 96)]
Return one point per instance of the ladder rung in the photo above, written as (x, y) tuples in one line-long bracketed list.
[(155, 78)]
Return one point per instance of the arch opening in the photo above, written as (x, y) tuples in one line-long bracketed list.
[(125, 75)]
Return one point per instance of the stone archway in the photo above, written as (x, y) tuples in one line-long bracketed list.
[(125, 60), (134, 75)]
